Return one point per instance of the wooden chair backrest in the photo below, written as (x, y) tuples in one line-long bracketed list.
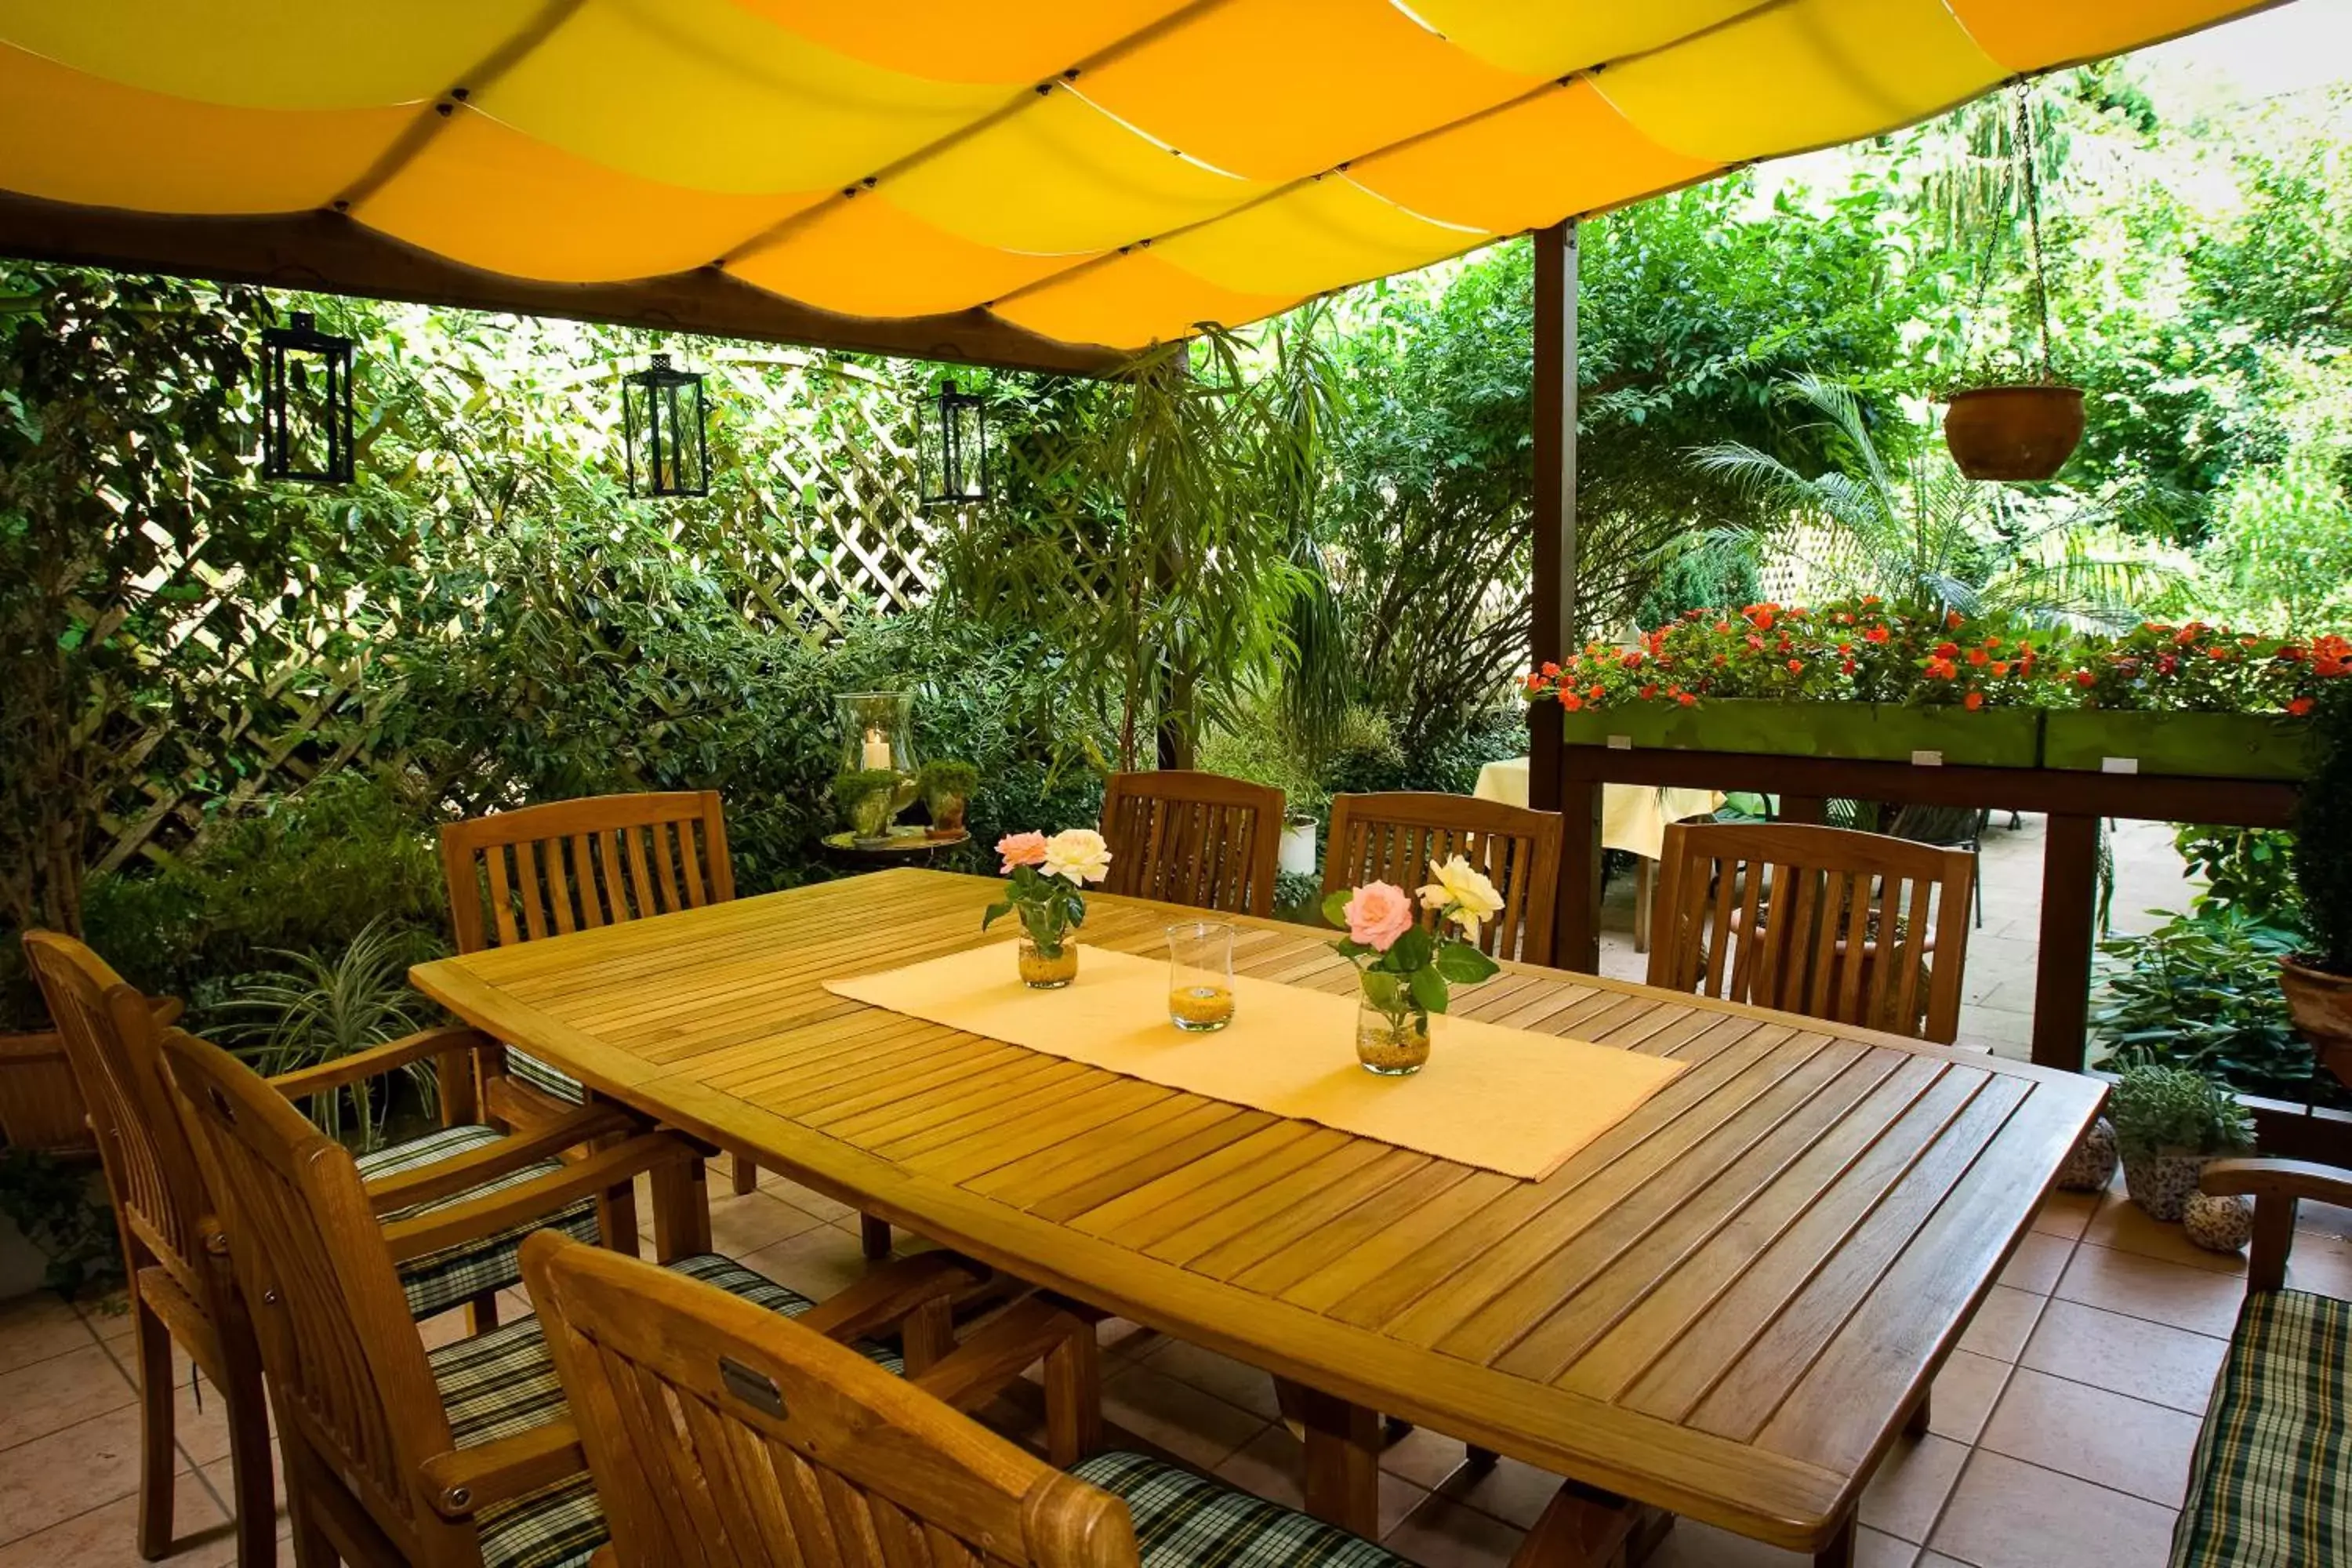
[(720, 1434), (113, 1044), (1188, 838), (1395, 837), (1777, 915), (345, 1365), (574, 864)]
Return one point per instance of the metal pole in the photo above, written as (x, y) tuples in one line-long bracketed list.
[(1554, 634)]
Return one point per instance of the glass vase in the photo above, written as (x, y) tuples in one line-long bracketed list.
[(877, 735), (1392, 1046), (1044, 970), (1200, 975)]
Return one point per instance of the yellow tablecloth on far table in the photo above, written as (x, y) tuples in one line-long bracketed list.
[(1633, 817), (1501, 1099)]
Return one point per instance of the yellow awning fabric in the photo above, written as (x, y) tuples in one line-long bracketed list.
[(1035, 181)]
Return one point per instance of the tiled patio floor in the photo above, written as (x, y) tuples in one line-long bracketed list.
[(2060, 1440)]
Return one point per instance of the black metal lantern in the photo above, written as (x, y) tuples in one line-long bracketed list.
[(306, 404), (952, 446), (662, 421)]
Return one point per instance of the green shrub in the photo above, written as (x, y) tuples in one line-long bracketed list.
[(2201, 991), (2249, 869), (2154, 1109), (61, 1206), (2322, 853)]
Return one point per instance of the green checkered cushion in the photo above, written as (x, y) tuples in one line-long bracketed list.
[(1184, 1521), (548, 1081), (439, 1280), (502, 1382), (2268, 1486)]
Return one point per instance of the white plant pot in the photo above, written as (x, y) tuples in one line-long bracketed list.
[(1297, 858)]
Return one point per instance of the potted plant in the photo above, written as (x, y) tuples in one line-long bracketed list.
[(2318, 983), (946, 788), (1044, 878), (1403, 964), (868, 799), (2170, 1123)]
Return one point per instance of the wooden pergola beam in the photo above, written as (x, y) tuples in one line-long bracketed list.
[(327, 253)]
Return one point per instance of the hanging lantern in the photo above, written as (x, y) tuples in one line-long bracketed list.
[(952, 446), (306, 404), (662, 423)]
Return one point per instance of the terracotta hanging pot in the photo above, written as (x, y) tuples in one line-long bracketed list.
[(2014, 432), (2321, 1006)]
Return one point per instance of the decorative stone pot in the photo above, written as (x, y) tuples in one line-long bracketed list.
[(2014, 432), (947, 808), (2218, 1223), (2321, 1005), (2163, 1181), (2091, 1165)]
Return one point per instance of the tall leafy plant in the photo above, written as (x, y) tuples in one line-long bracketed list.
[(2322, 836)]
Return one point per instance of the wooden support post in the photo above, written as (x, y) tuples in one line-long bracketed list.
[(2062, 976), (1343, 1460), (1552, 635), (1839, 1552)]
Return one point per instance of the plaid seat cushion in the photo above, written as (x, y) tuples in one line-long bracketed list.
[(439, 1280), (497, 1385), (548, 1081), (2269, 1486), (1182, 1520)]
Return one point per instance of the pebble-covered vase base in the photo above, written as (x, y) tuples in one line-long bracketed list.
[(2091, 1165), (2218, 1223), (2162, 1184)]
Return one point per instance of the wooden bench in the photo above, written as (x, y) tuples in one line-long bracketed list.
[(2267, 1488)]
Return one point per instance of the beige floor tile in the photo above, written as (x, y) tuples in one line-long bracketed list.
[(1423, 1457), (1964, 1396), (1903, 1498), (2124, 1226), (2324, 1219), (1120, 1339), (1271, 1464), (2127, 1444), (1938, 1560), (2005, 1514), (754, 1220), (1440, 1534), (2126, 1355), (2037, 1263), (2065, 1214), (1513, 1492), (2321, 1262), (1695, 1545), (108, 1316), (55, 1394), (69, 1472), (1205, 1370), (819, 1262), (807, 1199), (1197, 1427), (2168, 1293), (221, 1476), (36, 1327), (106, 1537), (2002, 1324)]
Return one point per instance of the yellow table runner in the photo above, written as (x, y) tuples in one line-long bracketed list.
[(1500, 1099)]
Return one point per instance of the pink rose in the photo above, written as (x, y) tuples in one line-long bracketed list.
[(1021, 849), (1378, 915)]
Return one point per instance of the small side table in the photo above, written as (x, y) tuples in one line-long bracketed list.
[(906, 846)]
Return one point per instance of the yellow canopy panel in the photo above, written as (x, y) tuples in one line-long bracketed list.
[(1023, 181)]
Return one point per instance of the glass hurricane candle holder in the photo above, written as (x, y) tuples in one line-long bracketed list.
[(877, 735), (1200, 975)]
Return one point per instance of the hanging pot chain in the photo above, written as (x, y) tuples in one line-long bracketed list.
[(2028, 160)]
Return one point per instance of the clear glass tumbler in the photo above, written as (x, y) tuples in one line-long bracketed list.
[(1200, 974)]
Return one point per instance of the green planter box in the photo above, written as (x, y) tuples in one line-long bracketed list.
[(1997, 738), (2201, 745)]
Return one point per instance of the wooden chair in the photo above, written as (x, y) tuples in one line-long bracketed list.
[(1195, 839), (1822, 920), (576, 865), (164, 1215), (1394, 837)]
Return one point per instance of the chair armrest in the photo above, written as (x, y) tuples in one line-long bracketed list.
[(2283, 1178), (463, 1481), (535, 1199), (166, 1010), (1001, 1350), (2277, 1186), (474, 1166), (378, 1059), (888, 1294)]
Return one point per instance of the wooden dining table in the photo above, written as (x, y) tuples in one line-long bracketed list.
[(1727, 1306)]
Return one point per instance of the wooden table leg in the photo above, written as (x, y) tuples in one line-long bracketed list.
[(1915, 1424), (2061, 973), (1343, 1460), (681, 1211), (873, 1235), (1645, 887), (1839, 1552)]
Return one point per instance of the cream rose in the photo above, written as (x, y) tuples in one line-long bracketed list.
[(1464, 892), (1077, 855)]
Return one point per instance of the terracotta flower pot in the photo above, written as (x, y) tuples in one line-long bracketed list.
[(2014, 432), (2321, 1006)]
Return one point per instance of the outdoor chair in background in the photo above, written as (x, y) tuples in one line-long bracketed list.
[(168, 1223), (1196, 838), (1395, 837), (1825, 921), (1949, 827)]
